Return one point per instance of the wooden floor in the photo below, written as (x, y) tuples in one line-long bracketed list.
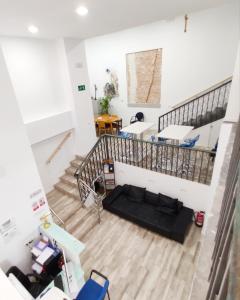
[(139, 264)]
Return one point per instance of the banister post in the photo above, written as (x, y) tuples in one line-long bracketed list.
[(106, 147)]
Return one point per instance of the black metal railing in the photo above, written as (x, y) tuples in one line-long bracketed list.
[(205, 108), (190, 164), (91, 167)]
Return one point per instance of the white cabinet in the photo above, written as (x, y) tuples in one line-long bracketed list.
[(72, 249)]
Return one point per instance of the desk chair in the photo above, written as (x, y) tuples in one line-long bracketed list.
[(93, 290), (190, 143), (34, 288), (125, 135), (139, 117)]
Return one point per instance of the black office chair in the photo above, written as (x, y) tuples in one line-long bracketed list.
[(139, 117), (34, 288)]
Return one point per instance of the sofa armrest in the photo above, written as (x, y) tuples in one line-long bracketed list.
[(113, 195), (180, 227)]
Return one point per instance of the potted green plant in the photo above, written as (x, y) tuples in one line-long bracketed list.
[(105, 104)]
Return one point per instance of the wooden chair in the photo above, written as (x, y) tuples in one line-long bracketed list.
[(117, 125), (104, 128)]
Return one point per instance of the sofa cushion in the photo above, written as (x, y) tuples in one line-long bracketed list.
[(152, 198), (168, 201), (125, 188), (134, 193), (167, 210), (179, 206), (114, 195)]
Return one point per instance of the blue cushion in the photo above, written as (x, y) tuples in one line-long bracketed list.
[(92, 291)]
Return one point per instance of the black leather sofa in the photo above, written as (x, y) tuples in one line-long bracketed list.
[(156, 212)]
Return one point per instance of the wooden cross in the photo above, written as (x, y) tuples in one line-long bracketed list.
[(186, 23)]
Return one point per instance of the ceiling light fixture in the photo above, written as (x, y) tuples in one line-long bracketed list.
[(33, 29), (82, 11)]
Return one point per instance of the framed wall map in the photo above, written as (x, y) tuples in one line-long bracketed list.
[(144, 78)]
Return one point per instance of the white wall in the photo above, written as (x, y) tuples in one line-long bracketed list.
[(18, 178), (40, 74), (50, 173), (40, 79), (85, 125), (209, 134), (192, 61), (35, 69), (192, 194), (233, 109), (43, 129)]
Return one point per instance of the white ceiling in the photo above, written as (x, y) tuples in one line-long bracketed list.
[(57, 18)]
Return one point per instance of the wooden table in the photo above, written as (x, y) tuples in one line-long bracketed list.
[(108, 119)]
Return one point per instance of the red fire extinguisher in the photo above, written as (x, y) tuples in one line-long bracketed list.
[(199, 218)]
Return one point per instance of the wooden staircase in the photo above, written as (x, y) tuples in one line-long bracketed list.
[(67, 184), (64, 199)]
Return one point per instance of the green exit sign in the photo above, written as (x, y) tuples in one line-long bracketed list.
[(81, 87)]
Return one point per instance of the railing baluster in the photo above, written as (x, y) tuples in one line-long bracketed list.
[(200, 170), (166, 157), (146, 144), (207, 170), (122, 149), (157, 149), (151, 156), (161, 149), (129, 157), (178, 148), (189, 162), (194, 165), (117, 148), (183, 160)]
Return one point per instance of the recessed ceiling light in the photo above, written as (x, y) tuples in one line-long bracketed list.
[(82, 11), (32, 29)]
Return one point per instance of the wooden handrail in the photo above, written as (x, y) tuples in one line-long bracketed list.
[(66, 137)]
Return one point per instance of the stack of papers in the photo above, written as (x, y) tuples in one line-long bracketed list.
[(37, 268), (41, 245), (44, 256), (35, 251)]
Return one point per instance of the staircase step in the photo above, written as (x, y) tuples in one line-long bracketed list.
[(69, 179), (84, 225), (76, 163), (70, 170), (66, 208), (68, 190), (79, 157)]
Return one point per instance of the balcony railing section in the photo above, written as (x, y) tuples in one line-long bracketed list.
[(202, 110), (190, 164)]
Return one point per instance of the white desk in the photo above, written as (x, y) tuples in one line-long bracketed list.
[(7, 290), (175, 132), (72, 249), (137, 128), (55, 294)]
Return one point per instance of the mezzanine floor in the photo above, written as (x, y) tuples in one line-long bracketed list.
[(139, 264)]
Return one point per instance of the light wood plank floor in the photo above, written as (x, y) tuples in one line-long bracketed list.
[(139, 264)]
